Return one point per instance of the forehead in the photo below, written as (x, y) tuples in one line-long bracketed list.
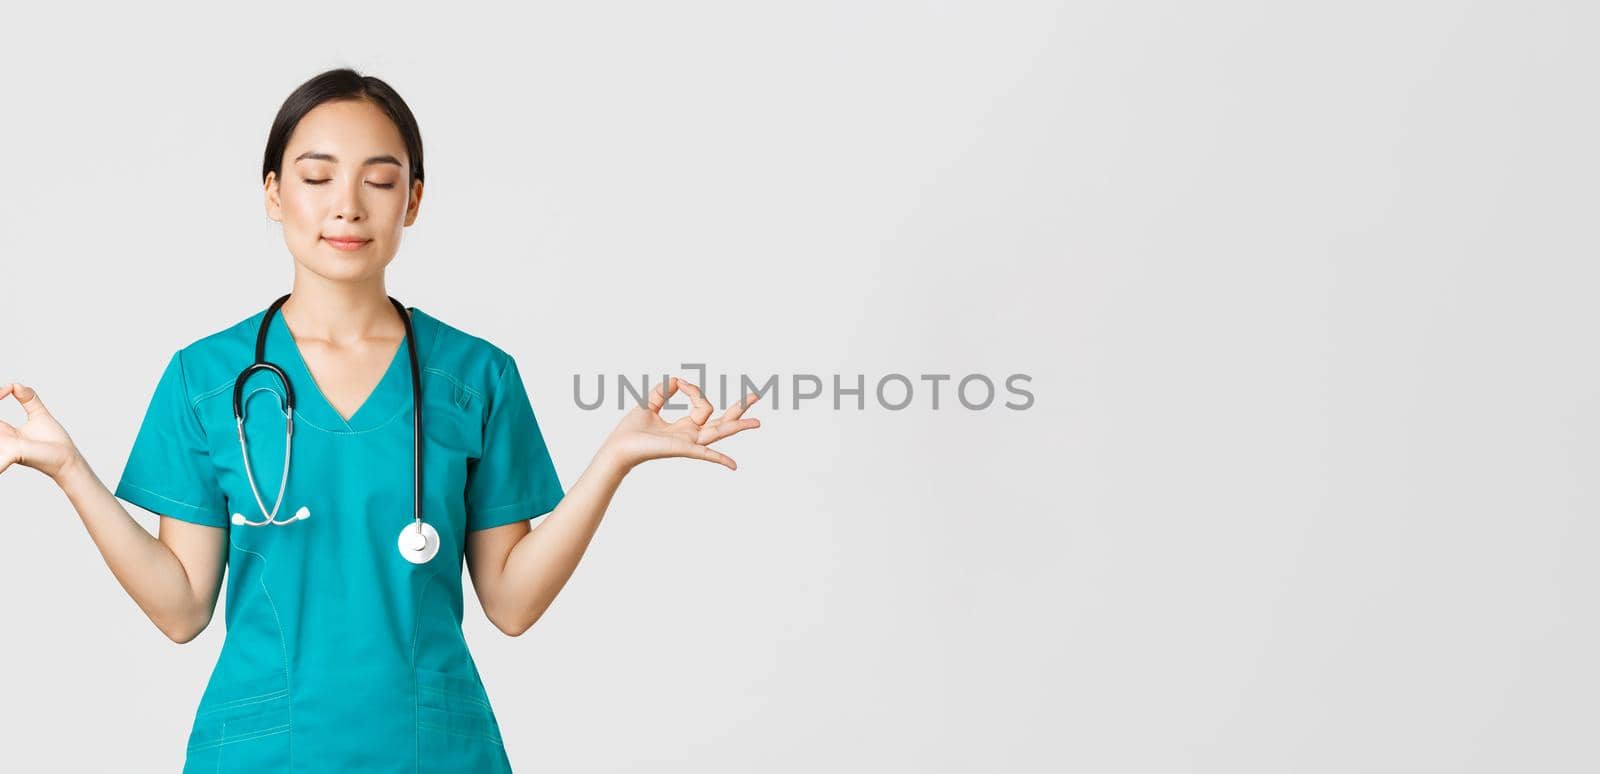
[(349, 129)]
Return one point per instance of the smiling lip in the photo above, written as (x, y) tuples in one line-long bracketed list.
[(343, 243)]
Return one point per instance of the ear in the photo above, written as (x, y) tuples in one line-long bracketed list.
[(416, 202), (270, 195)]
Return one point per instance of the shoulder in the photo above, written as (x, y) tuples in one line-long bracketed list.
[(216, 358), (472, 361)]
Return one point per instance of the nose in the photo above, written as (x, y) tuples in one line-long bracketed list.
[(349, 207)]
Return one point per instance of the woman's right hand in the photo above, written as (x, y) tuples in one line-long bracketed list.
[(40, 443)]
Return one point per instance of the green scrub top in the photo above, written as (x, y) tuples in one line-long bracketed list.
[(341, 655)]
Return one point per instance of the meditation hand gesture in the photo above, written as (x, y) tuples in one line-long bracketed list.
[(41, 443), (644, 435)]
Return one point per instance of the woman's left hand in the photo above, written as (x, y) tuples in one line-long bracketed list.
[(644, 435)]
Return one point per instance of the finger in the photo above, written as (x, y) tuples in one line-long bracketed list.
[(712, 455), (701, 411), (29, 400), (5, 389), (738, 409), (657, 400), (724, 428)]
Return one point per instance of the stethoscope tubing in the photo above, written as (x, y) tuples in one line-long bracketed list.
[(288, 410), (288, 445)]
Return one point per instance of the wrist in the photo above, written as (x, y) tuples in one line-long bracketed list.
[(611, 461), (71, 471)]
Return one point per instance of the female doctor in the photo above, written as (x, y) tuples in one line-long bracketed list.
[(344, 454)]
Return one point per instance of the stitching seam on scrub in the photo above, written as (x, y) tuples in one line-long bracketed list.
[(183, 381), (245, 737), (459, 732), (461, 637), (301, 419), (386, 422), (463, 385), (224, 387), (245, 702), (164, 497), (451, 694), (528, 503), (288, 676)]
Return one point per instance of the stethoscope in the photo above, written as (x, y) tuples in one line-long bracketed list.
[(419, 541)]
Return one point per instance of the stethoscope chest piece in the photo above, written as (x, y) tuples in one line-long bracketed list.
[(419, 548)]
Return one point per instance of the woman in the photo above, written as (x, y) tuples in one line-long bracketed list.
[(344, 649)]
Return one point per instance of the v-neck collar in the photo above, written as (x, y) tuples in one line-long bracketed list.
[(391, 396)]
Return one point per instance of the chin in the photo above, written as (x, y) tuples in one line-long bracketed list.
[(342, 268)]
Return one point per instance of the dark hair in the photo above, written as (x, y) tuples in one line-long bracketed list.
[(340, 84)]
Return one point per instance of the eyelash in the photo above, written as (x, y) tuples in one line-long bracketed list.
[(326, 179)]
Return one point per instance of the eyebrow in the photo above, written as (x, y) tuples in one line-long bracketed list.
[(319, 156)]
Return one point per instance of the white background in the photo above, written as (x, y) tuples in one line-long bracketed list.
[(1307, 294)]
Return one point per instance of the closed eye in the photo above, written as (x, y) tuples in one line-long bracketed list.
[(309, 181)]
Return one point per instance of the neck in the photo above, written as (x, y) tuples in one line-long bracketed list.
[(340, 311)]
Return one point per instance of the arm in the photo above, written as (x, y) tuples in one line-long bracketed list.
[(175, 579), (518, 571)]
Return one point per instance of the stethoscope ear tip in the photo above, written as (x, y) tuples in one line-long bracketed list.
[(303, 513), (238, 518)]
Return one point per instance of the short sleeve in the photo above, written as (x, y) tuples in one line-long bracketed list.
[(169, 470), (514, 479)]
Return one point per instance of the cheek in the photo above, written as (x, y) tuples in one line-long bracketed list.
[(391, 205), (300, 211)]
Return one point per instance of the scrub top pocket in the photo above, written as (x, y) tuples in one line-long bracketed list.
[(246, 733), (455, 724)]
